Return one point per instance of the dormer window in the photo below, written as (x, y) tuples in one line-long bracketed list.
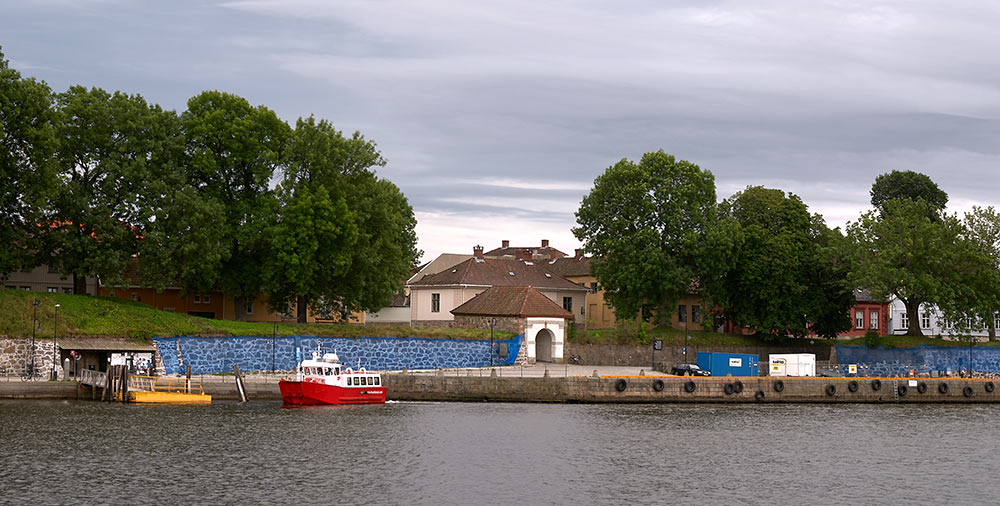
[(511, 273), (548, 275)]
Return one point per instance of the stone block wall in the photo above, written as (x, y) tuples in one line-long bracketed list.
[(511, 324), (15, 353), (921, 359), (208, 355)]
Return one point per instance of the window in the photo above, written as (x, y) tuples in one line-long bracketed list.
[(67, 290), (695, 314), (568, 304), (357, 381), (52, 289), (925, 320), (197, 299), (249, 307), (904, 321), (26, 288), (593, 287), (435, 302), (134, 297), (873, 320), (859, 319), (169, 310), (682, 313), (205, 299), (364, 380), (996, 321), (377, 381)]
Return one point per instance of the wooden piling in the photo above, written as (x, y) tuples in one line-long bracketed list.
[(187, 384)]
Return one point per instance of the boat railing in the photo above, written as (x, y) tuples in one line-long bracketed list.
[(164, 384)]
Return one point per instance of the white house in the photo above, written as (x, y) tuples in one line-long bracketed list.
[(932, 322)]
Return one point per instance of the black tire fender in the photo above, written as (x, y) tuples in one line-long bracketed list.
[(658, 385), (988, 387), (922, 387), (967, 391), (729, 389), (690, 386), (759, 395), (876, 385), (943, 388), (778, 386), (621, 385), (738, 387), (853, 386), (831, 390), (902, 390)]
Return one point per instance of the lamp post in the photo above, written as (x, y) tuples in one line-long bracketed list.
[(687, 337), (493, 323), (55, 329), (274, 337), (34, 327)]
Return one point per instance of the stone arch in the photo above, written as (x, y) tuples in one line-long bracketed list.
[(543, 345)]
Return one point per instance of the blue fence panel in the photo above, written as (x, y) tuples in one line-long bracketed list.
[(924, 358), (208, 355)]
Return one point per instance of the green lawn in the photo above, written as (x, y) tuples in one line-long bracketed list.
[(81, 315)]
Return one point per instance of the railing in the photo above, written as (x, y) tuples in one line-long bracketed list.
[(163, 384), (92, 378)]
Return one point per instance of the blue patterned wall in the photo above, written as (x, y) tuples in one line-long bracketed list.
[(925, 358), (208, 355)]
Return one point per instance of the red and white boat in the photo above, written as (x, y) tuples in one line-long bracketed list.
[(326, 381)]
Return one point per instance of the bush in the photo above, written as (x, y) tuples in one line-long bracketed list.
[(872, 339)]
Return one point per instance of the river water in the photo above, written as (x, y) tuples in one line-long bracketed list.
[(63, 452)]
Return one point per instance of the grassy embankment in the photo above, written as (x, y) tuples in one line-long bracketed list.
[(83, 316)]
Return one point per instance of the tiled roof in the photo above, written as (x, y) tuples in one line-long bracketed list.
[(442, 262), (862, 295), (537, 251), (521, 301), (570, 266), (499, 272)]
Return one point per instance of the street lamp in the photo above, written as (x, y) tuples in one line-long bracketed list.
[(55, 329), (493, 323), (34, 327), (274, 337)]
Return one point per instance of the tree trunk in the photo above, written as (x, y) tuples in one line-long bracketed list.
[(240, 309), (913, 314), (991, 326), (302, 307)]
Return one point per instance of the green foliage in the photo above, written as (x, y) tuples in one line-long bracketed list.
[(108, 316), (649, 226), (112, 147), (27, 169), (781, 281), (907, 185), (234, 149), (872, 339), (975, 295), (902, 251)]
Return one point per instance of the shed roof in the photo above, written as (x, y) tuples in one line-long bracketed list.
[(520, 301)]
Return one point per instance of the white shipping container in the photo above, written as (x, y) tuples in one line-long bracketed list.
[(792, 364)]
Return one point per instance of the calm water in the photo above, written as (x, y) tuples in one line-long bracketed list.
[(478, 454)]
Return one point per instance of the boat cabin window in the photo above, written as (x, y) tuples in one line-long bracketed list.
[(376, 380), (327, 371), (336, 370), (357, 381), (364, 380)]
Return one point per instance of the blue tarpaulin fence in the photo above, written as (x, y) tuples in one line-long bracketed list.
[(208, 355), (921, 359)]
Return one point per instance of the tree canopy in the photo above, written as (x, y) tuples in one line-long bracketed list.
[(648, 225), (780, 284), (907, 185)]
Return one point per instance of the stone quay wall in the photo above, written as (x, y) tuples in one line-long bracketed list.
[(15, 354), (642, 355), (208, 355)]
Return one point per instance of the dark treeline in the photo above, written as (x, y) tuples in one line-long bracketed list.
[(90, 180), (763, 262)]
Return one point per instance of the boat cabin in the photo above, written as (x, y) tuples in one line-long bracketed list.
[(329, 370)]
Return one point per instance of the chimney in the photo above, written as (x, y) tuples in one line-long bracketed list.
[(525, 254), (505, 244), (545, 243), (477, 251)]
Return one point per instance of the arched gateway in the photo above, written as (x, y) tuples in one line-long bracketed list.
[(523, 310)]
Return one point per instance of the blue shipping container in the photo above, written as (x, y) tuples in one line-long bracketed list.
[(729, 364)]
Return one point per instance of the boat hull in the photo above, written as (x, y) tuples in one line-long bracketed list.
[(305, 393)]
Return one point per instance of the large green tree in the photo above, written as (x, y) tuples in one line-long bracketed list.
[(975, 293), (234, 149), (780, 283), (649, 226), (909, 250), (345, 239), (909, 185), (27, 169), (111, 148)]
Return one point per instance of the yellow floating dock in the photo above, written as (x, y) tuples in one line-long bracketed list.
[(155, 390)]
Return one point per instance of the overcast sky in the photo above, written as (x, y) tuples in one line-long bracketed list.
[(496, 117)]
